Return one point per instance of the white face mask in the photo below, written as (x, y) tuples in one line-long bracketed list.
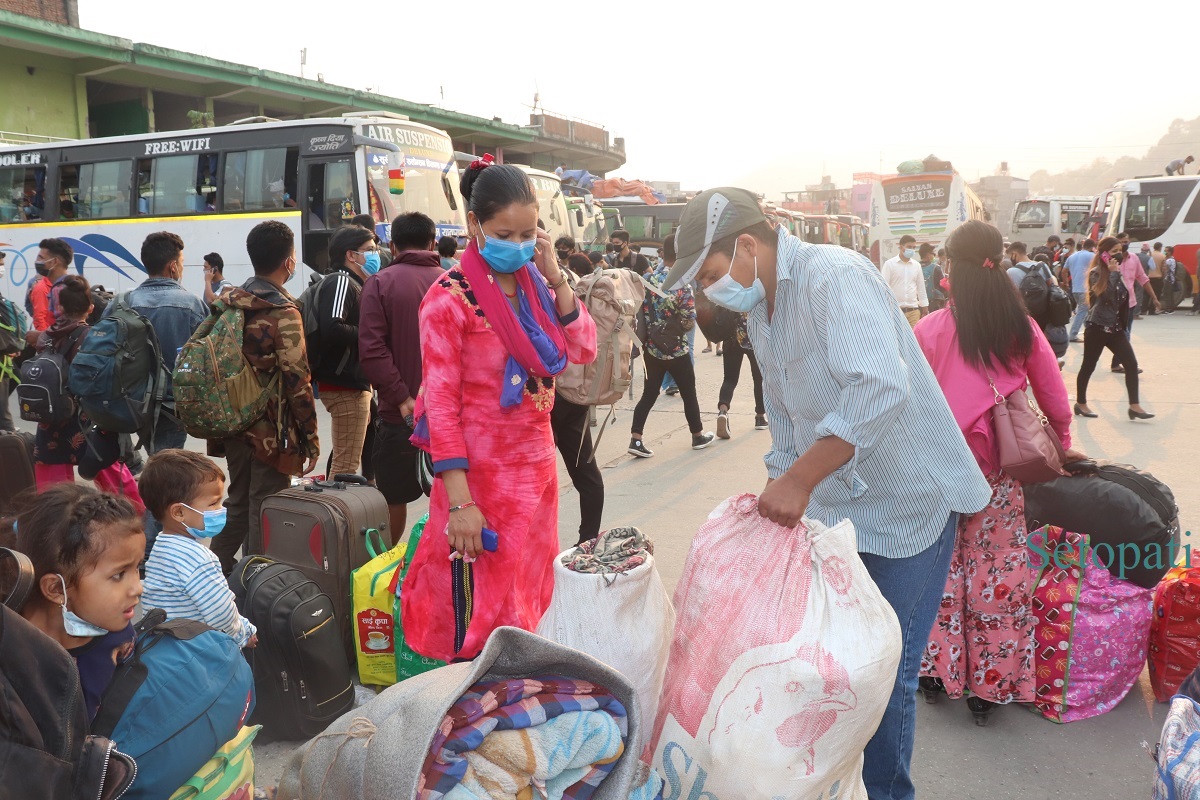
[(3, 272), (728, 293)]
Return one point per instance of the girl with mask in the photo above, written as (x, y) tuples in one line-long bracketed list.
[(495, 331), (184, 491), (981, 347), (85, 546), (333, 351)]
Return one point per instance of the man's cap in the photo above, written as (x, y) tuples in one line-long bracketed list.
[(926, 248), (710, 216)]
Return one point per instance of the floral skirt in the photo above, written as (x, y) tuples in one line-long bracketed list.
[(982, 641)]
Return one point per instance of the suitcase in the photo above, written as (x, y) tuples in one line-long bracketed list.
[(320, 529), (302, 679), (16, 454)]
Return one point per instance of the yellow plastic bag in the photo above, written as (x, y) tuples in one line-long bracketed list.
[(374, 625), (228, 775)]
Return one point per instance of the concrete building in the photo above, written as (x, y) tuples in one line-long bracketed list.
[(1000, 194), (63, 82)]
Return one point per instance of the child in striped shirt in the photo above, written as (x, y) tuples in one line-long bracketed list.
[(184, 490)]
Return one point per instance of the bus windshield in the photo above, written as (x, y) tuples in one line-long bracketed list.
[(1032, 214), (424, 185)]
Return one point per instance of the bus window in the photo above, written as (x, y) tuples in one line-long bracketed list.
[(260, 180), (330, 194), (639, 227), (1147, 216), (22, 193), (172, 185), (95, 191), (1032, 214), (664, 229)]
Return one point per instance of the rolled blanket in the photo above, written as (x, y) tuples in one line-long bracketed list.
[(520, 739), (613, 551)]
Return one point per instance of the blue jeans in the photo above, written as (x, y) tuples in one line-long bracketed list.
[(669, 380), (167, 435), (1081, 312), (913, 586)]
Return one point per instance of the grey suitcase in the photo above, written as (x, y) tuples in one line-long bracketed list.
[(321, 530)]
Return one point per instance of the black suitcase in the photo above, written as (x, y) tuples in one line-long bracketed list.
[(321, 530), (16, 474), (302, 678)]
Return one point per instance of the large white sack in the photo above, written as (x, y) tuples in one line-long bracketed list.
[(624, 620), (782, 663)]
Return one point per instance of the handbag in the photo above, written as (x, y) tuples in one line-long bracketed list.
[(1029, 448)]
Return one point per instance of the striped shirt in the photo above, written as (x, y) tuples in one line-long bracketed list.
[(839, 359), (184, 579)]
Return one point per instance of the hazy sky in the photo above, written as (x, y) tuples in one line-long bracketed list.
[(770, 95)]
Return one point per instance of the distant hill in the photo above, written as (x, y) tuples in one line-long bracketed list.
[(1181, 140)]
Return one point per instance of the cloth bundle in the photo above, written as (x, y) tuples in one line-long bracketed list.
[(613, 552), (522, 738)]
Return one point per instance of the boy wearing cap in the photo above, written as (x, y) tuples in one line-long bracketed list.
[(859, 427)]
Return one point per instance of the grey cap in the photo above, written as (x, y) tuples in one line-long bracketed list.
[(710, 216)]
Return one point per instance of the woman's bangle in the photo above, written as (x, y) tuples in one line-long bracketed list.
[(562, 278), (464, 505)]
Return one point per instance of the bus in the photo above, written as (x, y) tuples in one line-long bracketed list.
[(927, 206), (552, 204), (1158, 209), (212, 185), (648, 225), (1038, 218), (590, 224)]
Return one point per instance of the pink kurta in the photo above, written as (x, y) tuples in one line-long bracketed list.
[(509, 456)]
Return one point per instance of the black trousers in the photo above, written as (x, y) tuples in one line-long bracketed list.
[(573, 437), (684, 373), (250, 482), (732, 356), (1095, 339)]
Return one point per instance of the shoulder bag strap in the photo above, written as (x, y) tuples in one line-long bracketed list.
[(25, 578)]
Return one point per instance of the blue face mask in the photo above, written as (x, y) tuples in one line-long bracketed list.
[(507, 257), (728, 293), (75, 625), (371, 263), (910, 254), (214, 522)]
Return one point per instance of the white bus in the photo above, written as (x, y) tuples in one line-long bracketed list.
[(212, 185), (927, 206), (1160, 209), (1037, 219), (552, 204)]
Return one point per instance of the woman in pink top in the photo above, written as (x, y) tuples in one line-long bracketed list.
[(982, 641)]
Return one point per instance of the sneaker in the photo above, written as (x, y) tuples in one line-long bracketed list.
[(723, 424), (671, 392), (636, 448), (760, 422), (701, 440)]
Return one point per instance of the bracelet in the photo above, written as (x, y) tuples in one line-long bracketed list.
[(464, 505), (562, 278)]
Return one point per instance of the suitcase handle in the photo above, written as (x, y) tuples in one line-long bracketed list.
[(349, 477)]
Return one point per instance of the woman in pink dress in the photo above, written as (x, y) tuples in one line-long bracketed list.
[(982, 641), (495, 330)]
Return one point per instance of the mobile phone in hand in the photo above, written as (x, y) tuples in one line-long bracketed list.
[(491, 540)]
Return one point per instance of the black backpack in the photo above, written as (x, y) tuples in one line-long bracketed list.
[(1058, 307), (101, 297), (302, 678), (1035, 290), (43, 394), (45, 750)]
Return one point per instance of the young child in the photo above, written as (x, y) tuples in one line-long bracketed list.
[(85, 546), (184, 490)]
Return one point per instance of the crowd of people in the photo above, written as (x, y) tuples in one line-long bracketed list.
[(876, 386)]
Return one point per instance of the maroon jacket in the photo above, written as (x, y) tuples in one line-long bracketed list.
[(389, 339)]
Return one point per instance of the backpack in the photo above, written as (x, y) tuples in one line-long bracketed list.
[(309, 302), (45, 750), (1035, 290), (1058, 307), (101, 297), (118, 375), (179, 698), (43, 394), (301, 671), (218, 393), (613, 298), (13, 328)]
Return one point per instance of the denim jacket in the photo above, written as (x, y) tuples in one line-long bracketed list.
[(173, 311)]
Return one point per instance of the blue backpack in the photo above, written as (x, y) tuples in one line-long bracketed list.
[(184, 693)]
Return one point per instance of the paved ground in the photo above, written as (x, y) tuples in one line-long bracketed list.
[(1019, 755)]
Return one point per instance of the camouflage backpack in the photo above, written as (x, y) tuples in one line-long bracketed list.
[(218, 393)]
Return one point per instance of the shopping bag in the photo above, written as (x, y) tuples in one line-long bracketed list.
[(408, 661), (782, 663), (228, 775), (625, 619), (1178, 752), (373, 606)]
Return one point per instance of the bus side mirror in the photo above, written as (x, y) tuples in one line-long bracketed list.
[(579, 217)]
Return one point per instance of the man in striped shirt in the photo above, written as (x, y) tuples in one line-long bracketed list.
[(860, 429), (184, 490)]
